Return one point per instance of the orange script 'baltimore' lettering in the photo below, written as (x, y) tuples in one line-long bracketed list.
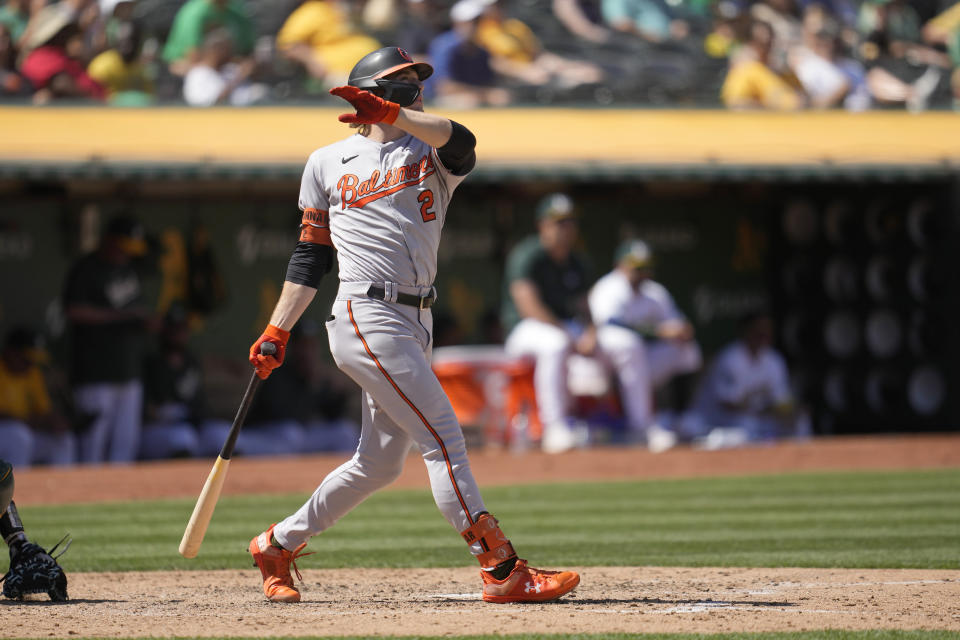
[(355, 194)]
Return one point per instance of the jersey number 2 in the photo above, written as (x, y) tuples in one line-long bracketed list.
[(426, 201)]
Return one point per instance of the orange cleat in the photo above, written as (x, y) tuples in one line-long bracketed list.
[(526, 584), (274, 564)]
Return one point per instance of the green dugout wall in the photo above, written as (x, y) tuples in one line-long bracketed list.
[(844, 227)]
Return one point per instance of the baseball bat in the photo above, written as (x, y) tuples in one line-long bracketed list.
[(203, 511)]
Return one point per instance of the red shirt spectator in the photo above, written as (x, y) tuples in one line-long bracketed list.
[(49, 67)]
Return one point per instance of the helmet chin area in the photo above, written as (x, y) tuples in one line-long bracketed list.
[(402, 93)]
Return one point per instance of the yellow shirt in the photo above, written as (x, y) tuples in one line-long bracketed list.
[(23, 395), (509, 39), (751, 83), (112, 72), (328, 30), (947, 21)]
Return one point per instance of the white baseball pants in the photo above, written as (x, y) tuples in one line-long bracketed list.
[(624, 351), (550, 346), (114, 435), (22, 446)]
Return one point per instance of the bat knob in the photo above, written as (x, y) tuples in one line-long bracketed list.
[(268, 349)]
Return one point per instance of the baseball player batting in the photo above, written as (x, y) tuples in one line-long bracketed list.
[(379, 198)]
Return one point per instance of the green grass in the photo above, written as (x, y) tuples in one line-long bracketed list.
[(857, 520)]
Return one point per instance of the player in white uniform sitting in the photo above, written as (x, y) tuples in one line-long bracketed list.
[(745, 396), (643, 336), (380, 199)]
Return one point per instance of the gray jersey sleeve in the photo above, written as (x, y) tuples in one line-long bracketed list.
[(312, 195)]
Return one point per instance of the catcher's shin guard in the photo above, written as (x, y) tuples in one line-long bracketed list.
[(495, 547), (11, 527), (6, 485)]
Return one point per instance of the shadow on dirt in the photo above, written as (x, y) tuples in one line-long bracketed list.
[(700, 604), (50, 603)]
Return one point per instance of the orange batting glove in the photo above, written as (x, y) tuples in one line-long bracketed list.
[(265, 364), (370, 108)]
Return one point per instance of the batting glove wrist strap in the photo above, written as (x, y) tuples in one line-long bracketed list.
[(278, 334)]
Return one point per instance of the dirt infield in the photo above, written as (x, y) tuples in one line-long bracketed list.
[(445, 602)]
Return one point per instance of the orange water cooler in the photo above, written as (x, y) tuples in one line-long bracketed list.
[(490, 391)]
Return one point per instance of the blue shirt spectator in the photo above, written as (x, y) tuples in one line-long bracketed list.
[(463, 76)]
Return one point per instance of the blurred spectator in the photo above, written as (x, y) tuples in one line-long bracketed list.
[(827, 78), (31, 431), (942, 28), (121, 70), (517, 53), (643, 336), (646, 71), (108, 331), (697, 10), (844, 11), (729, 30), (11, 82), (745, 395), (943, 31), (83, 13), (14, 15), (751, 83), (378, 15), (414, 25), (175, 423), (324, 37), (897, 19), (215, 78), (54, 58), (583, 19), (783, 18), (463, 73), (652, 20), (103, 33), (195, 20), (545, 312), (901, 69)]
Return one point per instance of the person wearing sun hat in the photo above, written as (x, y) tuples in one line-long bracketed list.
[(50, 58)]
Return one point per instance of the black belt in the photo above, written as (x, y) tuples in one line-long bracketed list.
[(420, 302)]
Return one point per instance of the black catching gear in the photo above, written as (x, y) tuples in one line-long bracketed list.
[(34, 570)]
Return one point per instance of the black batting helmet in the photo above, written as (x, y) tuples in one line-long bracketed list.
[(370, 71)]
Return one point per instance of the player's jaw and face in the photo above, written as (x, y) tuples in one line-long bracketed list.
[(559, 237)]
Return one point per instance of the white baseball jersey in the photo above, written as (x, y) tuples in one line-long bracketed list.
[(385, 205), (737, 376), (612, 299)]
